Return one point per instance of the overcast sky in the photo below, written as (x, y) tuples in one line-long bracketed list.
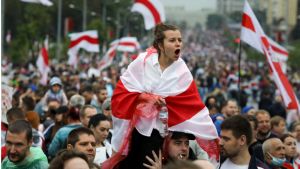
[(191, 4)]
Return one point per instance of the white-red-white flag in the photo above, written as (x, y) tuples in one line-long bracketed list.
[(253, 34), (248, 35), (124, 44), (186, 112), (87, 40), (43, 2), (152, 11), (42, 63), (108, 58)]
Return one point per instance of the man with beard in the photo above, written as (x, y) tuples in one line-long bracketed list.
[(20, 154), (236, 136), (264, 126), (230, 108)]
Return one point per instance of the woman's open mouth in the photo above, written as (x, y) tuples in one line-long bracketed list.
[(177, 51)]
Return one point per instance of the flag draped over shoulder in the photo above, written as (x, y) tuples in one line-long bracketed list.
[(152, 11), (186, 111), (253, 34), (87, 40), (42, 63)]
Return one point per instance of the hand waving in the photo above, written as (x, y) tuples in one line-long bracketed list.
[(155, 163)]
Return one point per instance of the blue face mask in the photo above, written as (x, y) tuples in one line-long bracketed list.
[(277, 161)]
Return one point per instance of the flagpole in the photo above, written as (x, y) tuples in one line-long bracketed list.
[(3, 27), (58, 34), (239, 72)]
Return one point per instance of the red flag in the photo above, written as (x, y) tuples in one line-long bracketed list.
[(253, 34)]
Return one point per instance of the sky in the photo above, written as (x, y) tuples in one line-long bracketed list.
[(191, 5)]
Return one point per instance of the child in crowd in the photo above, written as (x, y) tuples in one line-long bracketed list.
[(55, 92)]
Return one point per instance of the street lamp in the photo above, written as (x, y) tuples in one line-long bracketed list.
[(84, 11)]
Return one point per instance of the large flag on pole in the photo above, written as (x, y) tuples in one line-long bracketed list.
[(248, 35), (253, 34), (42, 63), (152, 11), (87, 40), (124, 44)]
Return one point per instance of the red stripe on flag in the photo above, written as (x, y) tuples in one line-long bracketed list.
[(278, 50), (82, 38), (247, 22), (177, 105), (120, 108), (287, 86), (112, 54), (152, 9), (127, 44), (45, 56)]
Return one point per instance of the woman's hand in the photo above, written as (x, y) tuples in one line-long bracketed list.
[(151, 98), (160, 101), (155, 163)]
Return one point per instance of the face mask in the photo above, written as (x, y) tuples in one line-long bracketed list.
[(277, 161)]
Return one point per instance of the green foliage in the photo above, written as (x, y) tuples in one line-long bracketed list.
[(31, 22), (252, 54), (27, 28), (294, 56), (215, 21), (236, 16)]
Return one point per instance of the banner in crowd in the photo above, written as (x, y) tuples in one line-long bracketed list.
[(124, 44), (253, 34), (152, 11), (42, 63), (6, 96), (43, 2), (87, 40)]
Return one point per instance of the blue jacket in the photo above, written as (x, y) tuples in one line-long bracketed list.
[(60, 139)]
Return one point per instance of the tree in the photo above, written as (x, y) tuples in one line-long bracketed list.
[(28, 25), (215, 21), (294, 56)]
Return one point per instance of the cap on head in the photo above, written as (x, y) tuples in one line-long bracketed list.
[(178, 135), (55, 81), (246, 109)]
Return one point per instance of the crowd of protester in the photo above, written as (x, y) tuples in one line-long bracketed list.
[(70, 118)]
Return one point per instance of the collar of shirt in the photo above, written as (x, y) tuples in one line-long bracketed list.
[(155, 63)]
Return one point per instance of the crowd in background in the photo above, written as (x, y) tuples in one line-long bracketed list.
[(74, 97)]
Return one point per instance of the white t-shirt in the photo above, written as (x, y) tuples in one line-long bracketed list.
[(228, 164), (102, 152)]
